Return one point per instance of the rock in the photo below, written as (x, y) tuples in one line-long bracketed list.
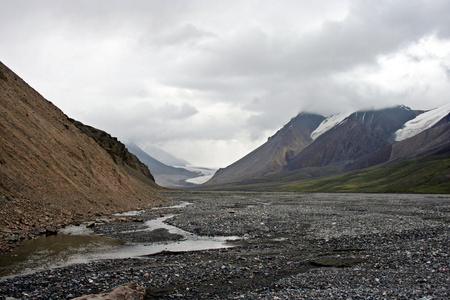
[(90, 225), (50, 230), (131, 291)]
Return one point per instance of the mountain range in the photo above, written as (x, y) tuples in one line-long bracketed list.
[(165, 175), (312, 146)]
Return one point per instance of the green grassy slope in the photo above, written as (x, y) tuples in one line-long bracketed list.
[(418, 175)]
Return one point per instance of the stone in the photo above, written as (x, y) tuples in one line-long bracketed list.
[(90, 225), (51, 230)]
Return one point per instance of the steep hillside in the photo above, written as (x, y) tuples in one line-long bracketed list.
[(118, 153), (342, 144), (165, 175), (275, 153), (51, 172)]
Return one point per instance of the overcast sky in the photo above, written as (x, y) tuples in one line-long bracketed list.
[(209, 81)]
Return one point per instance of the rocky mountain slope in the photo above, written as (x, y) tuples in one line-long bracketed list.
[(346, 142), (275, 153), (357, 137), (166, 176), (118, 153), (53, 173)]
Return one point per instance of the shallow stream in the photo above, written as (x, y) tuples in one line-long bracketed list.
[(78, 244)]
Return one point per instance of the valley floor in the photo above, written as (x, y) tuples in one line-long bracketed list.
[(292, 246)]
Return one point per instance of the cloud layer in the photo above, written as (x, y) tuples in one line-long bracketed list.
[(209, 81)]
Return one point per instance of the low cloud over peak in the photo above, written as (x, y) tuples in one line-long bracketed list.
[(225, 73)]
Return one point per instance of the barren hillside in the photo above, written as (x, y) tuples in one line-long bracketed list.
[(51, 172)]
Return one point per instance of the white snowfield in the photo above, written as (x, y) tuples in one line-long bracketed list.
[(329, 123), (422, 122)]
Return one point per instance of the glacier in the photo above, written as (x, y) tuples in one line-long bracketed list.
[(205, 174), (422, 122), (329, 123)]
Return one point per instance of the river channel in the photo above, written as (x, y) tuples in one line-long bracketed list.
[(79, 244)]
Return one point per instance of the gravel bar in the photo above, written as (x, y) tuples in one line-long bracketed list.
[(291, 246)]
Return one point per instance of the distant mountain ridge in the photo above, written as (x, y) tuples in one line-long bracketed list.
[(344, 142), (166, 176), (165, 157)]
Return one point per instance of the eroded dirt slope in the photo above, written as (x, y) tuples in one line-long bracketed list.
[(52, 173)]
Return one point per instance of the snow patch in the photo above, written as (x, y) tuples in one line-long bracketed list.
[(329, 123), (200, 179), (422, 122), (205, 174)]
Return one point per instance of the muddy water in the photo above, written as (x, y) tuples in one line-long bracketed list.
[(77, 244)]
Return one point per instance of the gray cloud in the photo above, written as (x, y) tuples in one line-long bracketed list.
[(187, 34), (216, 77)]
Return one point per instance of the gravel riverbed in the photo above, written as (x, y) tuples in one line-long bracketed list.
[(290, 246)]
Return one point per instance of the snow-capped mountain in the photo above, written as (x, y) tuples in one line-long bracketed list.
[(422, 122), (315, 146)]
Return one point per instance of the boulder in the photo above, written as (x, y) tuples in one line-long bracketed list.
[(50, 230)]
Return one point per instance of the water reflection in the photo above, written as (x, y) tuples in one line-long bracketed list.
[(54, 251), (78, 244)]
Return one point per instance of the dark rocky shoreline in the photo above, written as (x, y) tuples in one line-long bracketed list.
[(292, 246)]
